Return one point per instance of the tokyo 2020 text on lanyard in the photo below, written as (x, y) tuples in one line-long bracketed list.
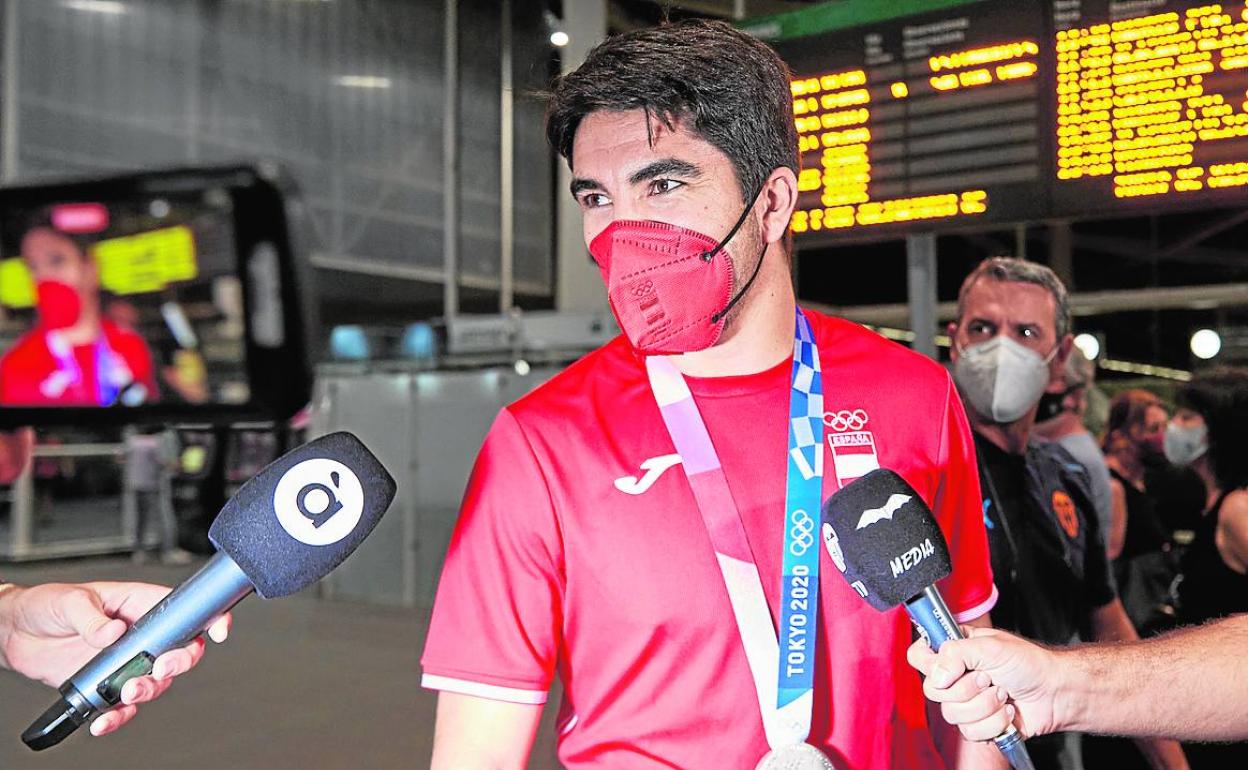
[(783, 669)]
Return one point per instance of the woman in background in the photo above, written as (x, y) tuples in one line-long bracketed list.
[(1209, 433)]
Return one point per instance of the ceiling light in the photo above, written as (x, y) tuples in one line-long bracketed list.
[(1089, 345), (559, 38), (362, 81), (114, 7), (1206, 343)]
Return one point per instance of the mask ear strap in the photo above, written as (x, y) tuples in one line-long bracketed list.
[(757, 266), (707, 256)]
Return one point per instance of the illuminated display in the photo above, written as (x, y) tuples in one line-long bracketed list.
[(135, 264), (929, 125), (992, 112), (1155, 105)]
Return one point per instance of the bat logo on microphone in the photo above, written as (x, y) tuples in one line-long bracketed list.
[(872, 515)]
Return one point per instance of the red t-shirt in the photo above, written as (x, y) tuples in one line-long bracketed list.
[(580, 550), (31, 374)]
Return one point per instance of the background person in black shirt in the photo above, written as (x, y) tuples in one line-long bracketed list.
[(1209, 433), (1010, 343)]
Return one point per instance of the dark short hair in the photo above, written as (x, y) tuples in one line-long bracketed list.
[(1015, 270), (1220, 396), (42, 219), (722, 84), (1129, 409)]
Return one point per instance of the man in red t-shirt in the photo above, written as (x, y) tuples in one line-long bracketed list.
[(73, 356), (581, 551)]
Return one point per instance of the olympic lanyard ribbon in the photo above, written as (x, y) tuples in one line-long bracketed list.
[(110, 370), (787, 696)]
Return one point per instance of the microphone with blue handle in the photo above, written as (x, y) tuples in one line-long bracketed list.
[(887, 545), (283, 530)]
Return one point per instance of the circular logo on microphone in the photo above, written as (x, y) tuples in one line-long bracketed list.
[(319, 501)]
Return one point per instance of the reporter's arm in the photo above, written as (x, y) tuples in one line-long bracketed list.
[(1111, 624), (474, 733), (1190, 684)]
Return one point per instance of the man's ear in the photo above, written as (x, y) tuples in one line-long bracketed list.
[(778, 199), (1057, 367), (952, 330)]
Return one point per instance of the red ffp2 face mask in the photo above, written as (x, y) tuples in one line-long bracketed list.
[(670, 287), (59, 304)]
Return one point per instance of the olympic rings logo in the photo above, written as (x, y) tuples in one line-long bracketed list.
[(802, 533), (643, 288), (845, 420)]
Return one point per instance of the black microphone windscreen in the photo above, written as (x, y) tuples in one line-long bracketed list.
[(884, 539), (297, 519)]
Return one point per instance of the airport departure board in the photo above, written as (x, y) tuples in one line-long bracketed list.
[(1006, 111)]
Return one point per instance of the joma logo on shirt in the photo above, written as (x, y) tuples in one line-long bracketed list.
[(654, 468), (912, 557)]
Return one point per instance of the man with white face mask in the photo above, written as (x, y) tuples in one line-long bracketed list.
[(1010, 344)]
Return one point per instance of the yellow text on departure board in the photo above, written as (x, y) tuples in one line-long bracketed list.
[(1139, 99), (832, 113)]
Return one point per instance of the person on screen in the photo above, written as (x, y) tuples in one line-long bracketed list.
[(73, 356)]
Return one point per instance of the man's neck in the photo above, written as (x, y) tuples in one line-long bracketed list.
[(1065, 424), (1011, 437), (761, 334)]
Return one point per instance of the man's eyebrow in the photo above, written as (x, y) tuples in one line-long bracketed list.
[(580, 184), (663, 167)]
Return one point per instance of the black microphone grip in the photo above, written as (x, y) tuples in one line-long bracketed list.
[(937, 625)]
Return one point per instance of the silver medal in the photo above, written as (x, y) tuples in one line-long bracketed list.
[(795, 756)]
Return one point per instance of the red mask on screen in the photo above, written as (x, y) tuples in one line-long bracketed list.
[(58, 303), (670, 287)]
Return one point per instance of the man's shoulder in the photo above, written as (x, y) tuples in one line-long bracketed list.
[(847, 344), (1054, 457), (585, 382)]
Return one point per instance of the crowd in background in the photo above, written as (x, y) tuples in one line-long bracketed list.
[(1108, 518)]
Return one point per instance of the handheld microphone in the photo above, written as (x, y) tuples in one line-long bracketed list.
[(887, 545), (286, 528)]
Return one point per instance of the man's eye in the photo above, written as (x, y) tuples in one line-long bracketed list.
[(594, 200), (660, 186)]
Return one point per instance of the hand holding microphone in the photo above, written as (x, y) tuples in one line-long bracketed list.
[(284, 529), (47, 631), (884, 540)]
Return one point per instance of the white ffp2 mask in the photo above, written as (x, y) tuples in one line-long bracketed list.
[(1001, 378)]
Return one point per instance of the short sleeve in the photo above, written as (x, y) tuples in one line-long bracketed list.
[(958, 505), (1098, 577), (495, 629)]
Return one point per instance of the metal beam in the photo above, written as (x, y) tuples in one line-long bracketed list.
[(921, 290), (1142, 250), (1202, 233), (578, 284), (450, 161), (506, 167), (9, 101)]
